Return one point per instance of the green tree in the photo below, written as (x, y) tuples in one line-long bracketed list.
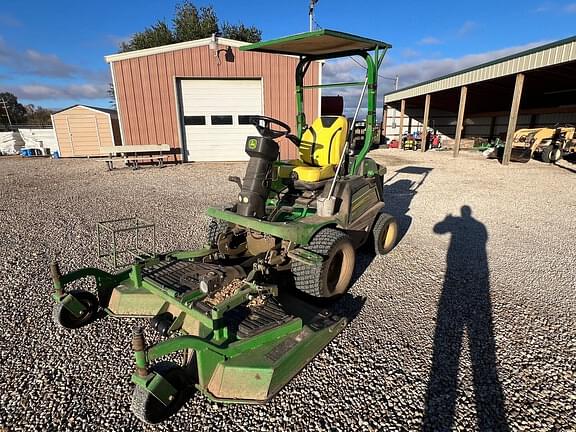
[(11, 108), (38, 116), (189, 23), (156, 35), (112, 95), (241, 32)]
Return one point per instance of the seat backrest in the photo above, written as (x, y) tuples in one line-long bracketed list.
[(323, 142)]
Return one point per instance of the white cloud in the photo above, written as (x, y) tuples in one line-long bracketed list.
[(430, 40), (32, 62), (410, 53), (409, 73), (57, 92), (117, 40), (570, 8), (467, 27)]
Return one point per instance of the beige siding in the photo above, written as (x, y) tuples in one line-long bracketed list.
[(81, 131)]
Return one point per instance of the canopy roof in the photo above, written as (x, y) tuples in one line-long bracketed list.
[(317, 43)]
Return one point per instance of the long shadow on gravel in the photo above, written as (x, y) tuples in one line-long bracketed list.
[(398, 196), (464, 306), (397, 199)]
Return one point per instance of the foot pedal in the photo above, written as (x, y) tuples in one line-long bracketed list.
[(262, 318)]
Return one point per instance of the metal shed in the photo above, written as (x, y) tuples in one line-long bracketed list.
[(81, 130), (197, 96)]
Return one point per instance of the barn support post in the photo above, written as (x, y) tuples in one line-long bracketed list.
[(425, 123), (460, 122), (492, 127), (513, 118), (401, 125)]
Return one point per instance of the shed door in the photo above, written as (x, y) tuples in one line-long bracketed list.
[(215, 117), (84, 135)]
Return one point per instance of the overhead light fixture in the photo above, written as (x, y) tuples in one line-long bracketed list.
[(213, 44)]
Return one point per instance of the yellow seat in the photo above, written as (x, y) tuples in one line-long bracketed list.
[(320, 149)]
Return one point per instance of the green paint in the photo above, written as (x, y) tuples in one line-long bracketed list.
[(300, 231), (252, 143)]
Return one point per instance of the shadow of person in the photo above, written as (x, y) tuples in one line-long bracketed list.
[(464, 305)]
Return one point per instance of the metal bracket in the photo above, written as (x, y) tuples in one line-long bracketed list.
[(306, 257)]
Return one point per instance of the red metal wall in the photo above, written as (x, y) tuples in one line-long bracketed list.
[(146, 93)]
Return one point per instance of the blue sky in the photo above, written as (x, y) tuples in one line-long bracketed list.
[(51, 52)]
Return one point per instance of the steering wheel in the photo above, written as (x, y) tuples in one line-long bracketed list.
[(266, 131)]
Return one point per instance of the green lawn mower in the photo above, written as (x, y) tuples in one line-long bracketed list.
[(249, 310)]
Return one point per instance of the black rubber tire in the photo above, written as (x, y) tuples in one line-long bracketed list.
[(385, 233), (215, 228), (66, 319), (332, 278), (150, 410), (551, 154)]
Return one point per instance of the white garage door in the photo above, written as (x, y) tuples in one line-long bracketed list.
[(216, 117)]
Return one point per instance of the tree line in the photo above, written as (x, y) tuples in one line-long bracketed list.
[(189, 23), (13, 112)]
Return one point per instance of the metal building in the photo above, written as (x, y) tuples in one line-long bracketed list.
[(529, 89), (197, 96)]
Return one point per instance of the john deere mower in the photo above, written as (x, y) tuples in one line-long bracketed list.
[(249, 310)]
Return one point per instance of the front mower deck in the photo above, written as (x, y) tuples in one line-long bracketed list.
[(247, 345)]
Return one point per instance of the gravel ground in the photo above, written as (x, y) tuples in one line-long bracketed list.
[(469, 323)]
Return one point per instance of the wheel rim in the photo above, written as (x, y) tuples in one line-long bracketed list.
[(335, 270), (556, 155), (388, 236), (340, 269)]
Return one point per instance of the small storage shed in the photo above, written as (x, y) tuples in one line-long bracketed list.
[(81, 130)]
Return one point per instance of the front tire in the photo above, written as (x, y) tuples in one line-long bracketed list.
[(332, 278), (68, 320), (148, 408), (385, 233)]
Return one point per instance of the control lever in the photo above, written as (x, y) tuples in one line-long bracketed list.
[(235, 179)]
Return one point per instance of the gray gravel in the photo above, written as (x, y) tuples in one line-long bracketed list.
[(503, 355)]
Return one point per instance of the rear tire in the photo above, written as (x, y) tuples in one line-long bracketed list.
[(332, 278), (385, 233), (551, 154)]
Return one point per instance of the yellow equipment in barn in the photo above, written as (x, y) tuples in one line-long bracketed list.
[(550, 143)]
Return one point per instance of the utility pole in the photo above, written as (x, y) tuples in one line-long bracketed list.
[(3, 102), (311, 14), (396, 82)]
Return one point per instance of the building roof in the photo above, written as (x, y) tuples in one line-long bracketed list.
[(173, 47), (551, 54), (317, 43), (104, 110)]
